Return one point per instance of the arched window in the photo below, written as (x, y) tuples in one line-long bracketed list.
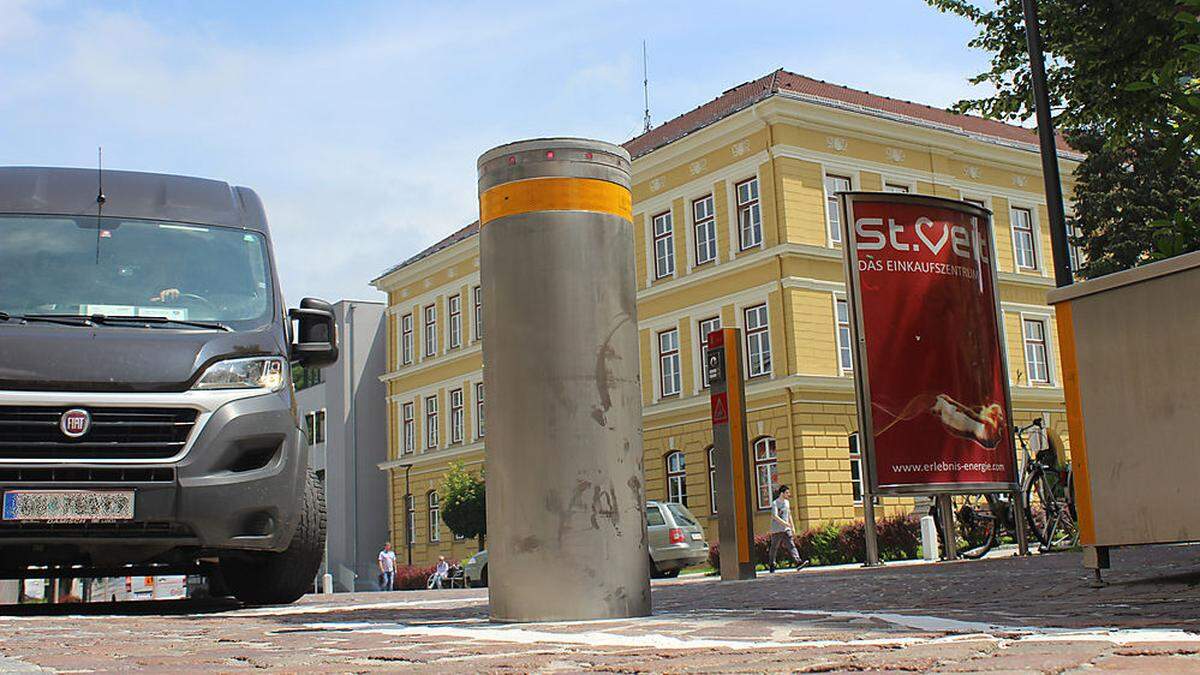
[(766, 474), (676, 478), (435, 530), (711, 453)]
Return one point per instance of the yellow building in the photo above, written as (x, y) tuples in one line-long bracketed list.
[(737, 225)]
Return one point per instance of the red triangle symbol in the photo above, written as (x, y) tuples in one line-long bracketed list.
[(720, 412)]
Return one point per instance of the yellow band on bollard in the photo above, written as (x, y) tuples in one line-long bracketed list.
[(555, 194)]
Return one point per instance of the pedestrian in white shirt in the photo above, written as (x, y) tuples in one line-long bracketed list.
[(387, 567), (439, 573), (782, 529)]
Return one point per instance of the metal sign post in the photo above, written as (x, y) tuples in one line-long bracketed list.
[(735, 508)]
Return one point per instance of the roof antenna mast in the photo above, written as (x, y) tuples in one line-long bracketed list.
[(645, 88), (100, 198)]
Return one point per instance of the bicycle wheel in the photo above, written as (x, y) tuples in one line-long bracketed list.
[(977, 526), (1048, 513)]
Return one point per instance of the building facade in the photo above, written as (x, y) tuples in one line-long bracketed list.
[(343, 408), (737, 224)]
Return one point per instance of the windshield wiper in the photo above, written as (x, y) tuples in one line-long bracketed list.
[(105, 319), (64, 319)]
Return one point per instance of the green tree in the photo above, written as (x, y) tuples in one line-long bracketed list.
[(1124, 87), (463, 498)]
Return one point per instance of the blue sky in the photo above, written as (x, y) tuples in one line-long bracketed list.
[(359, 123)]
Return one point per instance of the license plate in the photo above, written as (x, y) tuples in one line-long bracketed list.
[(696, 536), (68, 505)]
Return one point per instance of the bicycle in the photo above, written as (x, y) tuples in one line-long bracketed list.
[(1049, 492), (980, 519)]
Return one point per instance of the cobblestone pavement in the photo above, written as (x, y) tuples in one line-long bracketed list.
[(1005, 613)]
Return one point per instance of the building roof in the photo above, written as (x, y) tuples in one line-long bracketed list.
[(786, 83)]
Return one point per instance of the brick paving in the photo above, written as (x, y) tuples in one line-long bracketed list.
[(1008, 614)]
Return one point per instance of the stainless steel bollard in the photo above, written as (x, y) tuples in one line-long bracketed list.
[(565, 493)]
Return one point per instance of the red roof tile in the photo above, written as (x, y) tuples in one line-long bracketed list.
[(819, 91)]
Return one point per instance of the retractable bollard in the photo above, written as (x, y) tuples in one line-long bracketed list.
[(565, 497)]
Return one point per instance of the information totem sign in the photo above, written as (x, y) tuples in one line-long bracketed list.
[(734, 491), (932, 384)]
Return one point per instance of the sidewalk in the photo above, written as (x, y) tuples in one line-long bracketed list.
[(1006, 613)]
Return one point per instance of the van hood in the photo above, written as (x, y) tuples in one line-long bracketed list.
[(47, 357)]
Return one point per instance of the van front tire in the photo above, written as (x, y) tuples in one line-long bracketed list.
[(282, 578)]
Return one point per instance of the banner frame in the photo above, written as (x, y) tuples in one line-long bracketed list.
[(862, 365)]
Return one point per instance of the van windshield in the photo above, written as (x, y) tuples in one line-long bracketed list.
[(59, 265)]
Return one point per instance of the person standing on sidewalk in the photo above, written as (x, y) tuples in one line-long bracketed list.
[(387, 567), (782, 529)]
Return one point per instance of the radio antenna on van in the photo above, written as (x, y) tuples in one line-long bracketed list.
[(100, 198)]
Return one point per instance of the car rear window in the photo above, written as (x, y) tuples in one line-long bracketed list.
[(654, 516), (682, 515)]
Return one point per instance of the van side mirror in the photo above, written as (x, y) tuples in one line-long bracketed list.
[(316, 334)]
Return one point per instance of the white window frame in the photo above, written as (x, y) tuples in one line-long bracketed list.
[(406, 339), (702, 341), (664, 264), (676, 468), (856, 460), (479, 427), (1033, 238), (408, 426), (319, 430), (834, 234), (766, 463), (454, 311), (1047, 351), (845, 342), (431, 422), (429, 315), (410, 507), (709, 223), (670, 378), (434, 503), (755, 365), (753, 205), (477, 297), (457, 413)]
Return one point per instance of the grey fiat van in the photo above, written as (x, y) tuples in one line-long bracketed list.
[(147, 416)]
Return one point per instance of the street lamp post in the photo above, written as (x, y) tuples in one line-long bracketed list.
[(1054, 198), (408, 538)]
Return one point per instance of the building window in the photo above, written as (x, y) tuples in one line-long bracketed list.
[(766, 472), (749, 214), (303, 378), (758, 341), (1022, 229), (409, 427), (456, 415), (704, 217), (1035, 351), (477, 295), (676, 478), (712, 478), (314, 427), (435, 529), (845, 358), (895, 187), (668, 361), (706, 326), (856, 474), (479, 410), (406, 339), (410, 509), (454, 303), (664, 246), (1074, 251), (834, 184), (431, 421), (431, 330)]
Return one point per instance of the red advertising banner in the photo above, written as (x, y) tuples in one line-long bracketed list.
[(935, 396)]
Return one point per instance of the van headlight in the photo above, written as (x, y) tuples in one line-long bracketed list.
[(260, 372)]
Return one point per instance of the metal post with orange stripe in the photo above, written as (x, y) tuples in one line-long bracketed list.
[(565, 486), (734, 491)]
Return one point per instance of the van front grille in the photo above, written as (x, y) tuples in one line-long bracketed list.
[(33, 432)]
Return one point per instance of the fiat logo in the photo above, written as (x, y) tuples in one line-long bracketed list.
[(75, 422)]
